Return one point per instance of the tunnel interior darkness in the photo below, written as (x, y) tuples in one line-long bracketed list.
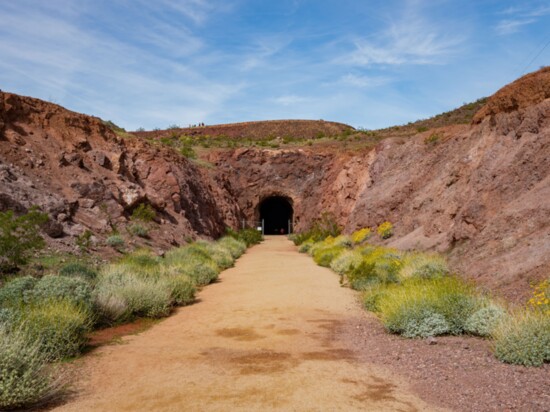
[(276, 211)]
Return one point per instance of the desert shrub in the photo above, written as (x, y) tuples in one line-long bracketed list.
[(346, 261), (219, 254), (111, 307), (115, 241), (540, 299), (321, 228), (485, 320), (324, 256), (305, 246), (138, 230), (60, 326), (19, 237), (15, 292), (182, 290), (25, 377), (423, 266), (523, 339), (378, 266), (51, 287), (77, 269), (144, 212), (342, 240), (385, 230), (142, 261), (361, 235), (249, 236), (406, 307), (371, 296), (84, 240), (235, 247), (141, 295)]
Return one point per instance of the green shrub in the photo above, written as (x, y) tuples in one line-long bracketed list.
[(305, 246), (219, 254), (379, 265), (523, 339), (249, 236), (144, 212), (485, 320), (19, 237), (115, 241), (50, 287), (138, 230), (423, 266), (14, 293), (343, 241), (360, 236), (321, 229), (78, 269), (59, 326), (235, 247), (346, 262), (182, 290), (84, 240), (139, 295), (25, 377), (385, 230), (110, 305), (407, 306), (324, 256)]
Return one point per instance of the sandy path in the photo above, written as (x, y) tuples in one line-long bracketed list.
[(266, 337)]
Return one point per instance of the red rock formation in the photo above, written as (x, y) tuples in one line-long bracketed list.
[(86, 177)]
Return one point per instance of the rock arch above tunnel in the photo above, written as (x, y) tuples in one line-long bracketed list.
[(277, 214)]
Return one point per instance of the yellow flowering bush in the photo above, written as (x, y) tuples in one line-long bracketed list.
[(385, 230), (540, 299), (359, 236)]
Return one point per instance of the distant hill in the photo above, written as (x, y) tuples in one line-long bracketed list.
[(306, 129)]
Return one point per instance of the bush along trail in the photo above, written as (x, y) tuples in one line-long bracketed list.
[(44, 320), (415, 295)]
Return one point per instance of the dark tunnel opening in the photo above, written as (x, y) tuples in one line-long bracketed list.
[(276, 212)]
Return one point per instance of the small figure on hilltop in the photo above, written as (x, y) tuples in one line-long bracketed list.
[(282, 231)]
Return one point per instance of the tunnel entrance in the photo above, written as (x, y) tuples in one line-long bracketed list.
[(276, 213)]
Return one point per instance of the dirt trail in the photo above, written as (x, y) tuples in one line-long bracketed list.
[(266, 337)]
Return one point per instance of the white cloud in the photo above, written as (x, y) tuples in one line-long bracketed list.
[(511, 26), (365, 81), (522, 16), (409, 40)]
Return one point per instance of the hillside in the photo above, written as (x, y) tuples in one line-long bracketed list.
[(305, 129)]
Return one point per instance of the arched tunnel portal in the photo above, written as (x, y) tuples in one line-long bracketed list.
[(277, 214)]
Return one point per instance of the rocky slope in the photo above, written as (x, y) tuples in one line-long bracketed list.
[(85, 177), (478, 192)]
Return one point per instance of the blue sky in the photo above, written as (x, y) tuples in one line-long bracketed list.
[(370, 63)]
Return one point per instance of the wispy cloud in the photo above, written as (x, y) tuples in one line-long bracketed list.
[(411, 39), (364, 81), (518, 17)]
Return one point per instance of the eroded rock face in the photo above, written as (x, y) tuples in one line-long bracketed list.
[(85, 177), (481, 193)]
